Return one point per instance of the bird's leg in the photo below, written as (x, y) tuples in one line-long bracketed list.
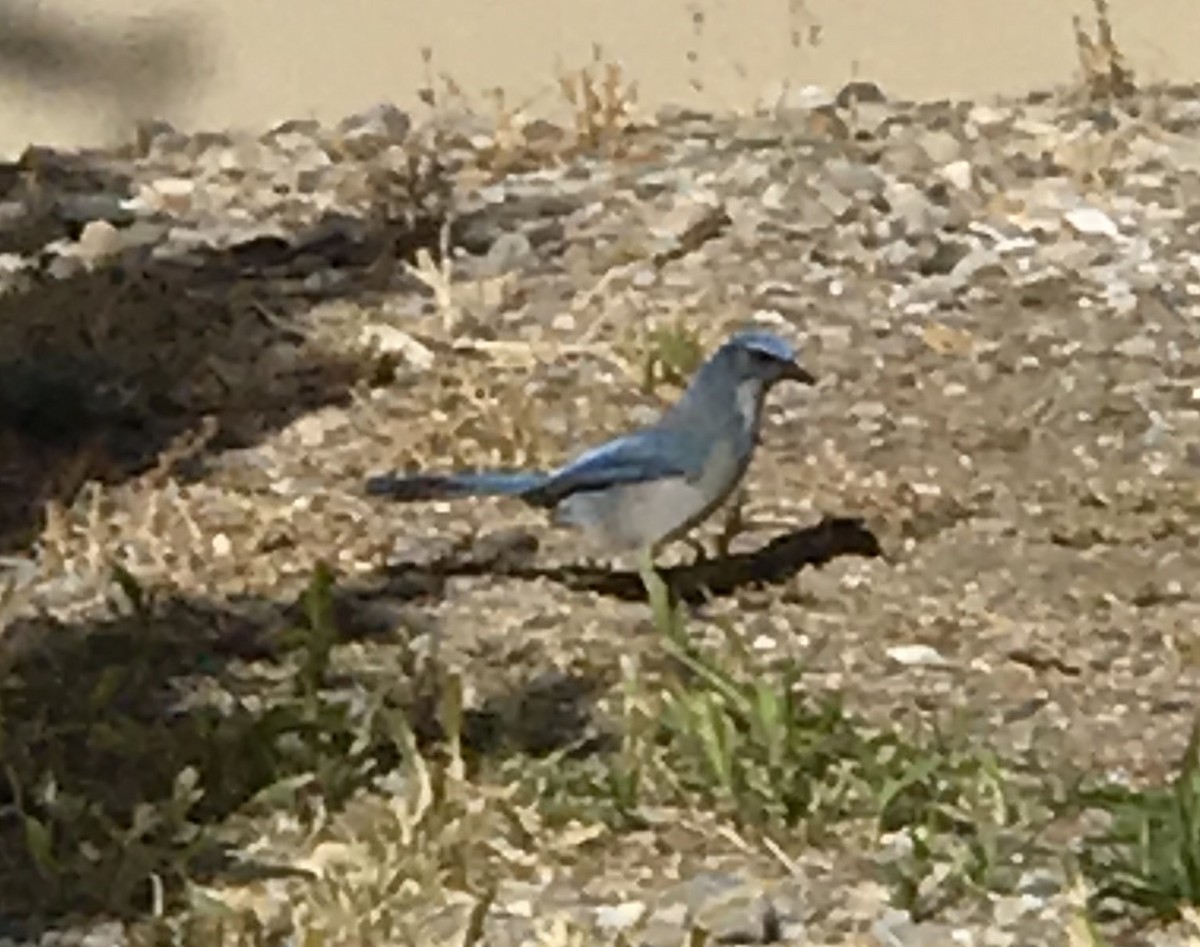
[(657, 592), (649, 575), (734, 523)]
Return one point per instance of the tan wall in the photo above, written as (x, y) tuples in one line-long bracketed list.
[(75, 71)]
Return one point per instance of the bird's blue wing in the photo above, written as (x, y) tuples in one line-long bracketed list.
[(653, 454)]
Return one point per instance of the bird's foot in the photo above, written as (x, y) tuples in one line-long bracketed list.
[(699, 551)]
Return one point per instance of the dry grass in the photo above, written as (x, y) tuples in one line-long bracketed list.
[(1105, 72), (598, 102)]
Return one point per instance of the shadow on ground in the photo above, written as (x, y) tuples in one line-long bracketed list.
[(126, 742), (774, 563), (134, 748), (134, 745), (103, 371)]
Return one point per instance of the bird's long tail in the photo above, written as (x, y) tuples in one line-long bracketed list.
[(449, 486)]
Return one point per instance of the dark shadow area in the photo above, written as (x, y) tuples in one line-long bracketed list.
[(776, 562), (95, 728), (104, 370), (133, 746), (136, 746), (125, 73)]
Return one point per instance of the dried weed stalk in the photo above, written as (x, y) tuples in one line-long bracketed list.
[(1106, 73)]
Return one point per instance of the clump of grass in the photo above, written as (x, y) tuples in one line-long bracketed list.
[(959, 819), (377, 869), (720, 732), (757, 748), (117, 797), (670, 354), (425, 829), (1105, 70), (393, 830), (599, 100), (1149, 856), (602, 102)]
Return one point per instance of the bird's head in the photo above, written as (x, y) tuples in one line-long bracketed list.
[(755, 355)]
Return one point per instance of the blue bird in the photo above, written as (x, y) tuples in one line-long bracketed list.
[(649, 487)]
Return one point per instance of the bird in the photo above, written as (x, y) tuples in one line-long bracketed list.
[(644, 489)]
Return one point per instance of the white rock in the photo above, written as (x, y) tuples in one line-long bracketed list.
[(311, 430), (11, 263), (174, 187), (97, 240), (768, 317), (1139, 346), (775, 196), (917, 655), (1090, 221), (986, 115), (173, 195), (644, 278), (620, 916), (959, 174)]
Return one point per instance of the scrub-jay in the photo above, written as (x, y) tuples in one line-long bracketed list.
[(644, 489)]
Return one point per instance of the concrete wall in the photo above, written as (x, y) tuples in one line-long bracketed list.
[(79, 71)]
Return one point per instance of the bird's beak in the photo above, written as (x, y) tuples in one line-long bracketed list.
[(796, 372)]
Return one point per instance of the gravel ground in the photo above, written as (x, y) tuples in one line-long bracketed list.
[(987, 506)]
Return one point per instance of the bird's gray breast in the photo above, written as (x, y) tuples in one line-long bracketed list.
[(631, 516), (719, 438)]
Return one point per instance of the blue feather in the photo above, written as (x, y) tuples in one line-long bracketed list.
[(651, 454), (448, 486)]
